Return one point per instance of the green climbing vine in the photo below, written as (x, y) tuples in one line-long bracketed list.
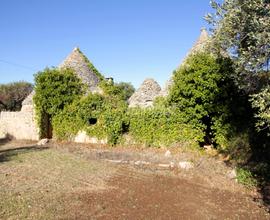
[(54, 89)]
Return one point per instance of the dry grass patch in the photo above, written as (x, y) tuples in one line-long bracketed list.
[(40, 183)]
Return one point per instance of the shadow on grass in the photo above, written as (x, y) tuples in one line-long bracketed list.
[(255, 158), (3, 141), (259, 164), (7, 154)]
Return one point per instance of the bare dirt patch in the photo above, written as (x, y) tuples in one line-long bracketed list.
[(140, 195), (70, 181)]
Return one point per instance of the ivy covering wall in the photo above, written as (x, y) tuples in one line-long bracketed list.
[(96, 115), (201, 107), (54, 89)]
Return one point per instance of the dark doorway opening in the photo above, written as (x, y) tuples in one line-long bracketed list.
[(47, 126)]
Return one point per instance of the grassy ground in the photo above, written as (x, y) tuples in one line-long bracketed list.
[(40, 183), (75, 182)]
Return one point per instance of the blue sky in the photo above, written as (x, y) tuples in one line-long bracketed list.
[(129, 40)]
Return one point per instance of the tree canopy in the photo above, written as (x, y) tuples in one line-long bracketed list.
[(241, 30), (13, 94), (203, 94)]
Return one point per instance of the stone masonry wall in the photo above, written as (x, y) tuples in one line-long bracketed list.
[(19, 125)]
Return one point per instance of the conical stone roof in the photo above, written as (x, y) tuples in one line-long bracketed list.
[(165, 91), (145, 95), (201, 42), (81, 66), (199, 46)]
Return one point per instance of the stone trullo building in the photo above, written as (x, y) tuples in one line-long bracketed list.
[(149, 90), (22, 125), (145, 95)]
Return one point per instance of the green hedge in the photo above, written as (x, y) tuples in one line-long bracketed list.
[(160, 127)]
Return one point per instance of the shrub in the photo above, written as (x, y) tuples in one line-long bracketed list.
[(245, 177), (203, 94), (76, 116), (54, 89), (126, 88), (160, 126), (119, 91)]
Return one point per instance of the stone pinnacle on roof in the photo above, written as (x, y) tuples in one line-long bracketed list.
[(81, 66), (201, 42), (199, 46), (166, 89), (145, 95)]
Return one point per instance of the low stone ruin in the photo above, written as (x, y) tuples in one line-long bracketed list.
[(20, 125)]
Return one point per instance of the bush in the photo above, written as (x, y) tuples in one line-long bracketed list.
[(119, 91), (127, 89), (245, 177), (160, 127), (76, 117), (54, 89), (203, 93)]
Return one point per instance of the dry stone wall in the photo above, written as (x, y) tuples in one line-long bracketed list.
[(82, 137), (19, 125)]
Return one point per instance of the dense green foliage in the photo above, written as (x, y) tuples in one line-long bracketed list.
[(126, 88), (261, 102), (54, 89), (95, 114), (60, 98), (198, 109), (119, 91), (160, 126), (203, 94), (13, 94), (241, 30), (246, 178)]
